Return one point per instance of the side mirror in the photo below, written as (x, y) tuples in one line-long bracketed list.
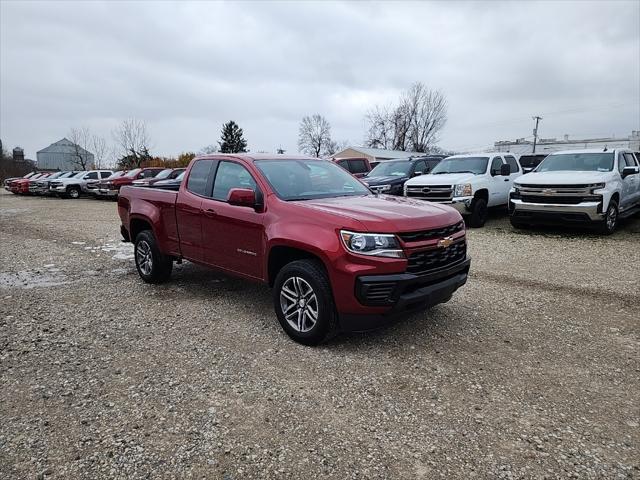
[(242, 197), (416, 173), (505, 170), (629, 171)]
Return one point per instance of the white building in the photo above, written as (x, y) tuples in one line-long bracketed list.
[(64, 155), (544, 145)]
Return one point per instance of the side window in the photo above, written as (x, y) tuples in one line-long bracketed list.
[(231, 175), (344, 164), (512, 162), (105, 174), (496, 163), (199, 177), (91, 176), (421, 166), (357, 166), (631, 161), (621, 162), (149, 173)]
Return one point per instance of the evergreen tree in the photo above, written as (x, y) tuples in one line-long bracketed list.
[(231, 140)]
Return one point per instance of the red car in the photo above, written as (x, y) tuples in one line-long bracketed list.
[(336, 255), (7, 181), (111, 186), (21, 186)]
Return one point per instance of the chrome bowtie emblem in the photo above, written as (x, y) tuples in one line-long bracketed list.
[(445, 242), (547, 191)]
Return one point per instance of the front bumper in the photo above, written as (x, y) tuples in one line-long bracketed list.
[(57, 188), (106, 192), (584, 212), (404, 293)]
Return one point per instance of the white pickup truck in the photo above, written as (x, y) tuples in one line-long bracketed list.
[(470, 183), (75, 185), (578, 187)]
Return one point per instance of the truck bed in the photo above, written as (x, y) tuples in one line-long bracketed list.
[(155, 204)]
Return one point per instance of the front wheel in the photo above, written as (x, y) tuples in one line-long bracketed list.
[(73, 192), (152, 266), (611, 218), (304, 303), (479, 213)]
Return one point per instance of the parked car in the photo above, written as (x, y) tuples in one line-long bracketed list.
[(21, 185), (166, 174), (7, 181), (75, 185), (40, 186), (358, 167), (389, 177), (470, 183), (529, 161), (170, 184), (92, 188), (111, 187), (592, 187), (338, 257)]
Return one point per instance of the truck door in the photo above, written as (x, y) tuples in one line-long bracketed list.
[(499, 185), (628, 198), (232, 235), (189, 209)]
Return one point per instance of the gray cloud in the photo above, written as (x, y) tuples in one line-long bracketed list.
[(187, 67)]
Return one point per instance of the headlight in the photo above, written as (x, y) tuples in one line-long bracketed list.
[(462, 190), (383, 188), (375, 244), (597, 186)]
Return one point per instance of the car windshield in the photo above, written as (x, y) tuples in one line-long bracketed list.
[(133, 173), (396, 169), (56, 175), (78, 174), (309, 179), (164, 173), (116, 175), (181, 176), (577, 162), (477, 165)]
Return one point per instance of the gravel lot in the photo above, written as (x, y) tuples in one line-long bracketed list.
[(532, 370)]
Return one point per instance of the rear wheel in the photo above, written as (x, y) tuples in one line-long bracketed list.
[(304, 303), (611, 218), (479, 213), (152, 266)]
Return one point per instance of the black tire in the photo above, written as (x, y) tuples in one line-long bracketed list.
[(145, 249), (73, 192), (479, 213), (608, 226), (313, 275)]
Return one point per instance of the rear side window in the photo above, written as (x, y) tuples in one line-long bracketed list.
[(631, 162), (357, 166), (512, 163), (199, 177), (231, 175)]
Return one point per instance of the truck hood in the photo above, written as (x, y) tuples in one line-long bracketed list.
[(563, 178), (65, 181), (443, 179), (384, 180), (384, 213)]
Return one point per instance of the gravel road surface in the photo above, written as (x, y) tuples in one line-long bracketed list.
[(532, 370)]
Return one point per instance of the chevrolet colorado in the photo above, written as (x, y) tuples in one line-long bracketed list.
[(592, 187), (337, 256)]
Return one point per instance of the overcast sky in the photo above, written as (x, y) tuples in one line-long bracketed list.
[(185, 68)]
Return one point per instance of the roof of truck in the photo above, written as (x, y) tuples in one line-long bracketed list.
[(591, 150), (251, 157)]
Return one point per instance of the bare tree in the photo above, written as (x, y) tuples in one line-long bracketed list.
[(80, 138), (133, 143), (413, 125), (209, 149), (100, 151), (314, 135), (335, 146)]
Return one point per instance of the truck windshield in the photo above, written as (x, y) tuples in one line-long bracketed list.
[(395, 169), (309, 179), (133, 173), (164, 173), (477, 165), (577, 162)]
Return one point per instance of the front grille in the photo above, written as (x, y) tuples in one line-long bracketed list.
[(427, 260), (431, 234), (55, 184), (433, 193), (559, 199)]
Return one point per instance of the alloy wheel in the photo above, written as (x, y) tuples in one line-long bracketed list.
[(144, 257), (299, 304), (612, 218)]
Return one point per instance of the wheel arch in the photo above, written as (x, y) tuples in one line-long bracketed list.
[(283, 254)]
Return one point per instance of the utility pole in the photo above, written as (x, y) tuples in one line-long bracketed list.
[(535, 132)]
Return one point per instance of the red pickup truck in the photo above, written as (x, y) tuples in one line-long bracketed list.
[(339, 258)]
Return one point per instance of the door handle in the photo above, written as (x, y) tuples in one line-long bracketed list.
[(506, 179), (209, 212)]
